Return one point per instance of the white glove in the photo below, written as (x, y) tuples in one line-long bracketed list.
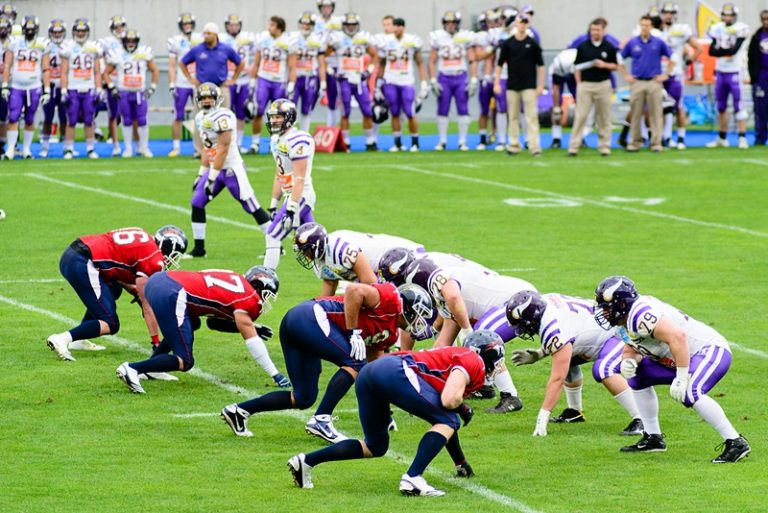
[(629, 368), (290, 89), (527, 356), (541, 423), (252, 86), (679, 385), (423, 90), (45, 97), (436, 87), (5, 92), (323, 87), (463, 334), (472, 86), (358, 345)]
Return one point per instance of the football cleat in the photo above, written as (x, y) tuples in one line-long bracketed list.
[(130, 377), (93, 155), (237, 418), (321, 426), (116, 151), (485, 392), (463, 147), (301, 472), (59, 345), (735, 449), (556, 144), (147, 154), (718, 143), (743, 144), (680, 144), (28, 156), (127, 154), (281, 381), (648, 443), (5, 156), (417, 486), (173, 153), (480, 147), (570, 415), (634, 428), (43, 153), (371, 147), (500, 148), (158, 376), (414, 148), (195, 253), (507, 403), (440, 146), (85, 345), (394, 148), (464, 470)]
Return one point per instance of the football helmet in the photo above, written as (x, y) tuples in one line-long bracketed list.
[(482, 22), (172, 243), (264, 281), (309, 243), (350, 24), (615, 296), (453, 17), (393, 264), (5, 27), (131, 39), (729, 9), (117, 25), (489, 345), (419, 271), (307, 18), (9, 11), (379, 111), (321, 3), (233, 25), (185, 19), (669, 7), (57, 31), (81, 30), (654, 12), (507, 14), (205, 91), (282, 108), (527, 10), (524, 312), (417, 310), (30, 26)]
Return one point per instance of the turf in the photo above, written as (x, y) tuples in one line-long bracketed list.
[(74, 440)]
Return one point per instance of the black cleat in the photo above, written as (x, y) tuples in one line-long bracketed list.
[(507, 403), (648, 443), (735, 449), (569, 415), (464, 470), (622, 141), (371, 147), (556, 144), (634, 428), (485, 392), (197, 253)]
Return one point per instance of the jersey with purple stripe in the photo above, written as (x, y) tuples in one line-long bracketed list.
[(495, 320), (570, 320)]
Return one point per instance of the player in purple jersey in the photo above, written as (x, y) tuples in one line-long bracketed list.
[(758, 74)]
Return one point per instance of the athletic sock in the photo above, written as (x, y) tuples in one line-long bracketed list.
[(338, 387), (345, 450), (159, 363), (430, 446), (273, 401), (573, 397)]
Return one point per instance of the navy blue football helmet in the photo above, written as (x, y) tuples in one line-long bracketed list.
[(524, 312), (489, 345), (417, 310), (172, 243), (393, 264), (615, 296), (265, 282), (309, 243)]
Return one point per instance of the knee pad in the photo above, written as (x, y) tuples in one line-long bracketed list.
[(742, 115), (378, 448), (272, 243), (303, 402)]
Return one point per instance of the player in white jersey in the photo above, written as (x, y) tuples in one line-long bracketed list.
[(221, 165), (325, 25), (396, 81), (568, 332), (244, 43), (487, 23), (57, 33), (26, 83), (182, 91), (350, 45), (9, 11), (451, 54), (395, 261), (5, 41), (273, 74), (728, 38), (112, 43), (311, 82), (293, 150), (679, 38), (132, 61), (80, 85), (663, 345)]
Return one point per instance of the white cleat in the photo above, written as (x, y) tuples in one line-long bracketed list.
[(394, 148), (480, 147), (28, 156), (463, 147), (130, 377), (440, 146), (158, 376), (680, 145), (127, 154), (414, 149), (147, 154), (301, 472), (68, 155), (59, 345), (85, 345), (718, 143), (743, 144), (93, 155), (116, 151), (417, 486), (500, 147), (42, 154), (321, 426)]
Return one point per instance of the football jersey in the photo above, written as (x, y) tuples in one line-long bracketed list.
[(292, 146), (399, 54), (646, 312), (451, 50), (444, 260), (123, 254), (326, 28), (108, 45), (81, 60), (218, 293), (131, 67), (54, 67), (178, 46), (4, 44), (344, 246), (563, 63), (27, 70), (676, 37), (378, 325), (209, 125), (351, 51), (245, 45), (435, 366), (273, 65), (725, 36), (482, 40), (307, 50), (571, 320)]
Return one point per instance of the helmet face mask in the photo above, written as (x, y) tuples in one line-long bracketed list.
[(81, 30), (186, 23), (615, 296), (489, 345), (5, 27), (281, 116), (233, 25), (57, 32), (30, 26), (309, 244), (131, 40), (417, 310), (451, 21), (265, 282), (117, 26), (172, 243), (208, 96), (307, 21), (351, 24)]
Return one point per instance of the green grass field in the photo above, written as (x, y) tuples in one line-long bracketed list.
[(75, 440)]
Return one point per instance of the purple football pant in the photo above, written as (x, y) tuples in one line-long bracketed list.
[(306, 91), (279, 230), (183, 94), (608, 361), (706, 369), (267, 91), (228, 179), (674, 88), (360, 92), (725, 84), (484, 95), (495, 319), (27, 99), (133, 106), (454, 86), (80, 106), (400, 99), (53, 106), (332, 90), (113, 107), (501, 98), (760, 101), (239, 94)]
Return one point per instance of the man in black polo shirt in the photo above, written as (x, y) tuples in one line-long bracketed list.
[(525, 83), (595, 59)]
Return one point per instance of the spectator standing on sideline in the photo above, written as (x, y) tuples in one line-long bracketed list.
[(758, 74)]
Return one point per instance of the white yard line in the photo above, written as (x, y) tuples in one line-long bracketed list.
[(531, 190), (474, 488), (33, 280)]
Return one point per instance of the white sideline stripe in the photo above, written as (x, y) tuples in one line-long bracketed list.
[(33, 280), (516, 270), (748, 350), (755, 161), (135, 199), (195, 415), (531, 190), (480, 490)]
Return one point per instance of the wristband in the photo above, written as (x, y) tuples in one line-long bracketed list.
[(153, 85), (64, 91), (292, 206), (323, 85), (682, 373), (213, 174), (155, 340), (354, 331), (273, 204), (252, 83)]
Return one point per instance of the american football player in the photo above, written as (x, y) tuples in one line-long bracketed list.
[(311, 81), (244, 43), (5, 41), (113, 43), (57, 33), (179, 86), (326, 25)]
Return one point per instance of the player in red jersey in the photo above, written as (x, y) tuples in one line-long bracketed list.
[(346, 331), (231, 301), (431, 385), (100, 266)]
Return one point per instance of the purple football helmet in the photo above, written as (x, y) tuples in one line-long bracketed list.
[(393, 264), (489, 345), (419, 272), (615, 296), (524, 312), (309, 243)]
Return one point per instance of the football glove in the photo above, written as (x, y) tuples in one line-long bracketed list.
[(679, 385), (463, 334), (436, 87), (289, 89), (113, 91), (45, 97), (5, 92), (64, 97), (209, 188), (322, 88), (265, 332), (358, 344), (151, 90), (423, 90), (291, 219), (281, 381), (526, 356), (628, 368), (472, 86), (465, 412), (464, 470), (541, 423), (172, 90)]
